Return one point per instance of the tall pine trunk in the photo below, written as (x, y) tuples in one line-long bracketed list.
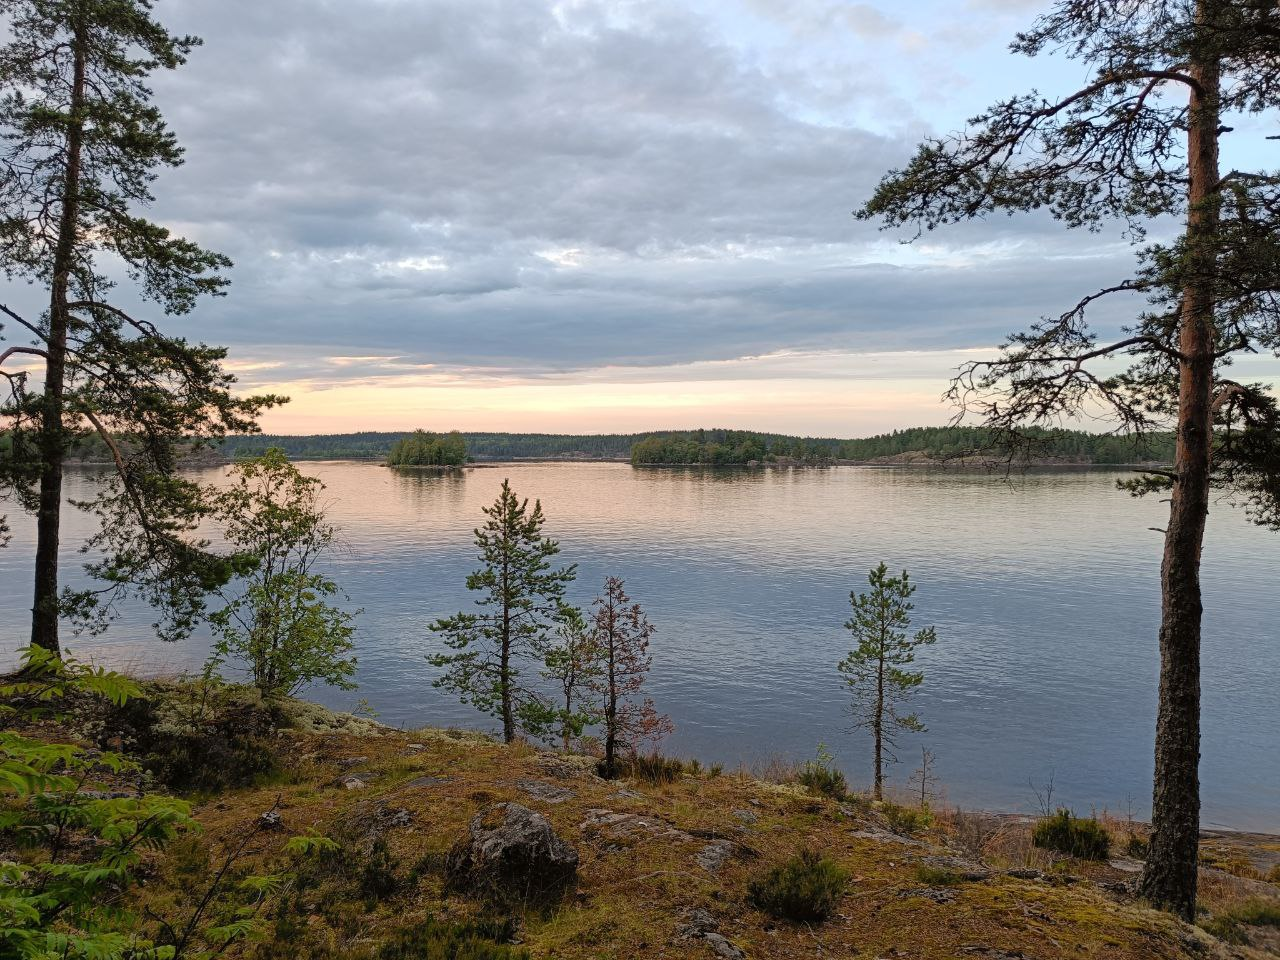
[(611, 705), (1169, 878), (44, 608), (504, 679), (878, 792)]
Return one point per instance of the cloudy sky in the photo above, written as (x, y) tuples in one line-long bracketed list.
[(597, 215)]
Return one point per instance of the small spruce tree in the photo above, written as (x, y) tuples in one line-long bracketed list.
[(874, 671), (522, 602)]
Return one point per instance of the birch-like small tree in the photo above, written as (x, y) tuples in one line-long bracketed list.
[(522, 602), (874, 671), (279, 620), (622, 631)]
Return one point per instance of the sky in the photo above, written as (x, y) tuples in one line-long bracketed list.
[(600, 215)]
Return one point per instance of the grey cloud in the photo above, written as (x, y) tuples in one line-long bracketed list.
[(550, 188)]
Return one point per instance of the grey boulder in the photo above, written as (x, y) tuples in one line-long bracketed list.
[(512, 854)]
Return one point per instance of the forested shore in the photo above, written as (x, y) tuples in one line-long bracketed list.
[(728, 447)]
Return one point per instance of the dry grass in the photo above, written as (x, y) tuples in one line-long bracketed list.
[(635, 887)]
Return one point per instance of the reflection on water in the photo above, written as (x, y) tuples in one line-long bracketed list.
[(1044, 592)]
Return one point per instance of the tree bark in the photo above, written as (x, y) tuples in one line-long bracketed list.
[(508, 717), (1170, 876), (611, 699), (878, 728), (44, 608)]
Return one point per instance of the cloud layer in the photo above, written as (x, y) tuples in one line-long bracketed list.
[(482, 190)]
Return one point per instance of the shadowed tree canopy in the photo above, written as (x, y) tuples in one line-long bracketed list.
[(1139, 144), (80, 143)]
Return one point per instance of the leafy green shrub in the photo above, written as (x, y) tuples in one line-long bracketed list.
[(1136, 846), (806, 888), (1078, 837), (451, 940), (905, 820), (281, 623)]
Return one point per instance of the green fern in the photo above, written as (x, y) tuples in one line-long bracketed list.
[(44, 786)]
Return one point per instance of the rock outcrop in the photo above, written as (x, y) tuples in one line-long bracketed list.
[(512, 854)]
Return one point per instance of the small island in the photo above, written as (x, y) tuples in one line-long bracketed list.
[(422, 449)]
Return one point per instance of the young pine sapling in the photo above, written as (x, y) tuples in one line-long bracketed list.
[(522, 601), (874, 672)]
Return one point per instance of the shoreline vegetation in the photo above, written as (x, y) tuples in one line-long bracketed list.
[(966, 447)]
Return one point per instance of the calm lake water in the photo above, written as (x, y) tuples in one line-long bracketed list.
[(1043, 591)]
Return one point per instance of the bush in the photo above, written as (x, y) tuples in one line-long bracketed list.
[(51, 904), (197, 736), (823, 779), (1074, 836), (1258, 912), (1227, 929), (378, 880), (904, 819), (1274, 875), (272, 518), (805, 889)]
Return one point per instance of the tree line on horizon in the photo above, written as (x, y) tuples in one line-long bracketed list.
[(724, 446)]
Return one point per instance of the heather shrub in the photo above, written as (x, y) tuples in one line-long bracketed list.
[(805, 889), (905, 820)]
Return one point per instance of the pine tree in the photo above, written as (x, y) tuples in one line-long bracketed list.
[(1140, 141), (874, 671), (622, 633), (573, 664), (81, 141), (522, 597)]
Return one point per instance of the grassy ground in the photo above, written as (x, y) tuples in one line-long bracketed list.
[(395, 801)]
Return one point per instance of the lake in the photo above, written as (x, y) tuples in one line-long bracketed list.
[(1043, 590)]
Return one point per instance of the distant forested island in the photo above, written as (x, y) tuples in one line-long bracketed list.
[(422, 449), (716, 446), (913, 445)]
